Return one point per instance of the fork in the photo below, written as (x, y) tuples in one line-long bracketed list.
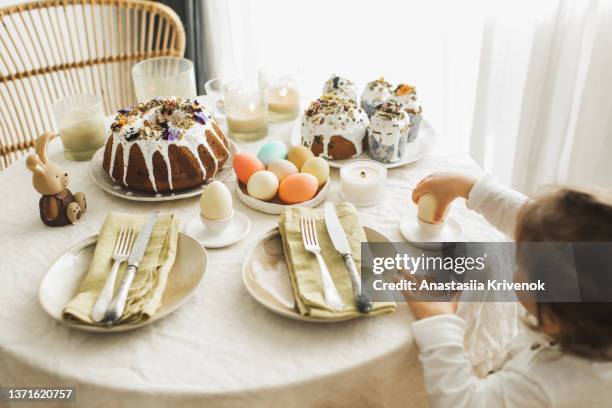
[(311, 244), (123, 246)]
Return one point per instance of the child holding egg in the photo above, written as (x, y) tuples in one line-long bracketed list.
[(564, 359), (294, 175)]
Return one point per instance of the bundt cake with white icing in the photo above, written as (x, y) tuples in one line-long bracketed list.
[(334, 128), (164, 145)]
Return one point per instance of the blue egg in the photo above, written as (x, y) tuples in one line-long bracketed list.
[(275, 150)]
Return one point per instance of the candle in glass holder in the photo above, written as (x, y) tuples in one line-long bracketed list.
[(284, 100), (246, 109), (283, 94), (80, 120), (214, 90), (363, 182), (164, 77)]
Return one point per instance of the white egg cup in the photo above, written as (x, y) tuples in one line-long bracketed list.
[(429, 229), (217, 225)]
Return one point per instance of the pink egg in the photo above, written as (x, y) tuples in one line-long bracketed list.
[(245, 164), (297, 188)]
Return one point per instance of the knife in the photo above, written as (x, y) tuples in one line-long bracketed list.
[(117, 305), (341, 244)]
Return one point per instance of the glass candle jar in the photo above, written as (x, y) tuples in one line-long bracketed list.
[(164, 77), (214, 90), (283, 95), (246, 109), (80, 120), (363, 182)]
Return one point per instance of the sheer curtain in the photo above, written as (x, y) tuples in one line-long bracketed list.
[(521, 85), (543, 102), (434, 45)]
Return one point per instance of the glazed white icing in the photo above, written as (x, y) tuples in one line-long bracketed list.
[(339, 118), (340, 87), (375, 93), (191, 138), (389, 129), (408, 100)]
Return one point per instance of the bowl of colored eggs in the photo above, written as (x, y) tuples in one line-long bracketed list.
[(276, 178)]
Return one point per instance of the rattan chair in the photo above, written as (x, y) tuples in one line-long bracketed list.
[(49, 49)]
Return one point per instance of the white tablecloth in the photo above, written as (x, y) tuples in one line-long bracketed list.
[(221, 348)]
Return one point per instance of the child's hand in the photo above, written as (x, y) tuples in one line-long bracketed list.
[(445, 187), (422, 309)]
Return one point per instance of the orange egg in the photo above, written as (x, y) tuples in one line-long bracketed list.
[(245, 164), (297, 188)]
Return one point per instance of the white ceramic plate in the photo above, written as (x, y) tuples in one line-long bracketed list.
[(63, 278), (103, 180), (416, 149), (276, 207), (235, 231), (275, 294)]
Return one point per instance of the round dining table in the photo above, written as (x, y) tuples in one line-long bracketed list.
[(221, 348)]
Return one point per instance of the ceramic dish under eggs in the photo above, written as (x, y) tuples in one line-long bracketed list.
[(275, 206)]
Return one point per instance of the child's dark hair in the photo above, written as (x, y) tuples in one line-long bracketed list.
[(569, 215)]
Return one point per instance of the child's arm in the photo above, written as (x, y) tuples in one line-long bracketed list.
[(500, 205), (449, 381)]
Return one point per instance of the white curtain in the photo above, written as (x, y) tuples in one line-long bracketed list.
[(543, 103), (434, 45), (521, 85)]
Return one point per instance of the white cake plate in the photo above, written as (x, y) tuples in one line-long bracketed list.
[(234, 232), (416, 149), (63, 279), (103, 180)]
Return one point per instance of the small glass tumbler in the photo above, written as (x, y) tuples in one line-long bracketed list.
[(164, 77), (80, 120), (246, 109), (283, 94), (214, 90)]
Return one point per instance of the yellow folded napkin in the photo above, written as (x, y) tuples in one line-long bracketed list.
[(304, 269), (144, 297)]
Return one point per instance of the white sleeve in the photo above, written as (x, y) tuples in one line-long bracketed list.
[(449, 380), (499, 204)]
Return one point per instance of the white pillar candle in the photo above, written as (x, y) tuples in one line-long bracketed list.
[(363, 182)]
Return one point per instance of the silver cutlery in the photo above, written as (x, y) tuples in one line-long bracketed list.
[(117, 306), (123, 246), (311, 243), (341, 244)]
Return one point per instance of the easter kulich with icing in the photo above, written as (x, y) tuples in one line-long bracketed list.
[(164, 145), (388, 132), (341, 87), (375, 94), (334, 128)]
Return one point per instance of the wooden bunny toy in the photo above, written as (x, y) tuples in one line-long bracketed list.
[(58, 206)]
